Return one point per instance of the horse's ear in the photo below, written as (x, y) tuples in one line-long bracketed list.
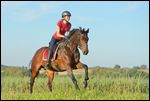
[(83, 30), (87, 31)]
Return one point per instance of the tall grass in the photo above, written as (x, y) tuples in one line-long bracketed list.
[(104, 84)]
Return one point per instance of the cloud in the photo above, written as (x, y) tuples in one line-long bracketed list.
[(132, 6), (51, 6), (85, 19), (30, 10), (12, 4), (28, 15), (16, 11)]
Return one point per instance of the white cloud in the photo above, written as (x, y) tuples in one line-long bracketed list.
[(51, 6), (29, 15), (44, 7), (12, 4), (132, 6), (23, 10), (83, 18)]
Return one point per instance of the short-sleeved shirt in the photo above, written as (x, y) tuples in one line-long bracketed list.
[(63, 29)]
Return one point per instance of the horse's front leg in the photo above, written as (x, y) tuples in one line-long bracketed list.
[(81, 65), (86, 76), (70, 73)]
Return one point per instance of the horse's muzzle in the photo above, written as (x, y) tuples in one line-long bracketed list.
[(85, 52)]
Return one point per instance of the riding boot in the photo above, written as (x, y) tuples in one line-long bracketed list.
[(48, 59)]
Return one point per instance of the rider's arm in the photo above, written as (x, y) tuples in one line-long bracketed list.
[(58, 32)]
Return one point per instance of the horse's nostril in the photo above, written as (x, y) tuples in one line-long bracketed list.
[(85, 52)]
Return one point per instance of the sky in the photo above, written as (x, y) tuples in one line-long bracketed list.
[(118, 30)]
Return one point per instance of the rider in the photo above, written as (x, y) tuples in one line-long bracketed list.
[(63, 26)]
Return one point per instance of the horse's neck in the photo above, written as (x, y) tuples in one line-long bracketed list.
[(74, 37), (74, 41)]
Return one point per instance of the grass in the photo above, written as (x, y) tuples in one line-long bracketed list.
[(109, 85)]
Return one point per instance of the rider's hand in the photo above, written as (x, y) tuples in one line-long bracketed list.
[(65, 37)]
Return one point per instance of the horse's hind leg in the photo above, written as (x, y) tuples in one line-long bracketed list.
[(50, 75), (34, 73)]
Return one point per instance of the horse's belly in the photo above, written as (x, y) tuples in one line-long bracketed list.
[(57, 65)]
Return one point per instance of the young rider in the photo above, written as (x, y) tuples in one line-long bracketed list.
[(63, 26)]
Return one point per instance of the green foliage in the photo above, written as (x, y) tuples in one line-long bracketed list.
[(117, 66), (103, 84), (143, 66), (140, 67)]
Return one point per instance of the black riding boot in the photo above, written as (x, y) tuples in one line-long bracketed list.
[(48, 59), (51, 47)]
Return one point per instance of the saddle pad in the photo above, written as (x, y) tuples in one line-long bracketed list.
[(45, 53)]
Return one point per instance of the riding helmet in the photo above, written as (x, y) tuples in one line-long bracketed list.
[(66, 13)]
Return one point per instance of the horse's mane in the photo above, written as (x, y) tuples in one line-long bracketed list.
[(74, 30)]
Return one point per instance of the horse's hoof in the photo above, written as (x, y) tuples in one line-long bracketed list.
[(85, 84), (78, 89), (87, 78)]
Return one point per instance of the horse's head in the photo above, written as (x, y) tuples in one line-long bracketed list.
[(83, 41), (80, 38)]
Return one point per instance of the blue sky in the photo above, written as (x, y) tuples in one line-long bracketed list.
[(119, 31)]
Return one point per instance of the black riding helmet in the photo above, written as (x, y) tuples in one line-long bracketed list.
[(66, 13)]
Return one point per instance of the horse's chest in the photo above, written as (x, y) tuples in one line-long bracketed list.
[(76, 57)]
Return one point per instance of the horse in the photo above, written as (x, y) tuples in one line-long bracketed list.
[(68, 58)]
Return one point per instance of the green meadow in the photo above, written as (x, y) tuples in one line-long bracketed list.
[(103, 84)]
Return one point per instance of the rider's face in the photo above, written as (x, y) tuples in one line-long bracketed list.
[(67, 18)]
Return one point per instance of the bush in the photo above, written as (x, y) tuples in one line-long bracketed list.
[(117, 66)]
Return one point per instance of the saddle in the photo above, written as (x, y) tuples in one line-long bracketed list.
[(54, 51)]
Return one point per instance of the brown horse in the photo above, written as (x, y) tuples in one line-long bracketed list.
[(68, 58)]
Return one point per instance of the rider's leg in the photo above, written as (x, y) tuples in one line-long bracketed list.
[(48, 58), (51, 46)]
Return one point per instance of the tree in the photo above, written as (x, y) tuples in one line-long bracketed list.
[(136, 67), (117, 66), (140, 67), (143, 66)]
